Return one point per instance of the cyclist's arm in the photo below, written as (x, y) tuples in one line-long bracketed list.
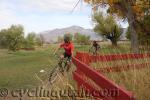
[(57, 48)]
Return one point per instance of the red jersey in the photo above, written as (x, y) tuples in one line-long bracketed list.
[(68, 48)]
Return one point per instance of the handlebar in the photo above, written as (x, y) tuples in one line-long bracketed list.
[(59, 58)]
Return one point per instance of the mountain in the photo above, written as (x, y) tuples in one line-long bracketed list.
[(52, 35)]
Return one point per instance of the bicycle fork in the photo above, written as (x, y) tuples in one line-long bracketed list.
[(60, 65)]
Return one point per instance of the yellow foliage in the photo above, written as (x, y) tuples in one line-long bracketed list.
[(138, 6), (113, 1), (137, 9)]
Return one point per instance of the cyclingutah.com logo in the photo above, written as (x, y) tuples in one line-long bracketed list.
[(3, 92), (40, 92)]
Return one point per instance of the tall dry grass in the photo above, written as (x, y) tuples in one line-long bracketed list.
[(135, 80)]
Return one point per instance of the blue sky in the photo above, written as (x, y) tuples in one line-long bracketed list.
[(42, 15)]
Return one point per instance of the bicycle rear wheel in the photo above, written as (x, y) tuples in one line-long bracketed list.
[(92, 50)]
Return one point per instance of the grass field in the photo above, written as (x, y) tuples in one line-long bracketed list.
[(17, 69)]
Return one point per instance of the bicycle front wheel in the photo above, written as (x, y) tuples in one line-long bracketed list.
[(53, 75)]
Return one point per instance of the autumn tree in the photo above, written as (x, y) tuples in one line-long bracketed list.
[(132, 10), (143, 37)]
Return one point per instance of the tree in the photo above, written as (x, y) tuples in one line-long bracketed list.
[(3, 39), (30, 40), (39, 41), (128, 34), (81, 39), (132, 10), (108, 27), (12, 37), (143, 37), (41, 37)]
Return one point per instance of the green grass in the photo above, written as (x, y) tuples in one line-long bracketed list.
[(17, 70), (106, 48)]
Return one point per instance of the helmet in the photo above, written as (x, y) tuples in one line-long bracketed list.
[(67, 38), (94, 41)]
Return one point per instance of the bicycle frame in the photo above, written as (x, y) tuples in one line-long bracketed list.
[(93, 50), (60, 67), (62, 62)]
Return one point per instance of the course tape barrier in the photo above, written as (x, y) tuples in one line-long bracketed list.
[(82, 62)]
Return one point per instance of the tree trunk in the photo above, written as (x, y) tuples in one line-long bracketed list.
[(126, 9), (134, 35), (132, 25), (134, 40), (114, 43)]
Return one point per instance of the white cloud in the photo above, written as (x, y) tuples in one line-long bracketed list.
[(7, 16), (34, 14), (38, 5)]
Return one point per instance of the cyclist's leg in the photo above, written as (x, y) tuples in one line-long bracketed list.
[(91, 49), (68, 63), (96, 49), (99, 48)]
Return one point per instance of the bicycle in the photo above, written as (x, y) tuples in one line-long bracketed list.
[(93, 50), (59, 68)]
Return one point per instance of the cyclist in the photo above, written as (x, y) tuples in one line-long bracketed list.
[(96, 46), (68, 46)]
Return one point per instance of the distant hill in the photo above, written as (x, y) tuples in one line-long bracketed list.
[(52, 35)]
